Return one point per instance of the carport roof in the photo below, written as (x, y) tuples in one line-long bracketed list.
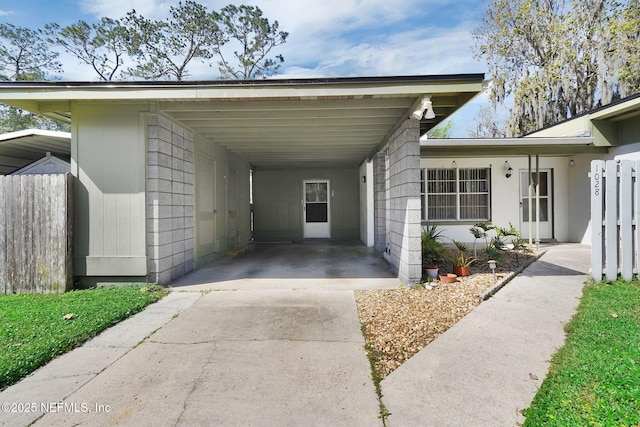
[(274, 122), (18, 149)]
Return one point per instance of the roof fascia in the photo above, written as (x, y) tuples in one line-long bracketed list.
[(616, 110), (242, 90), (34, 132), (505, 142)]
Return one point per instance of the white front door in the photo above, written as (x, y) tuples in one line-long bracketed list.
[(546, 204), (316, 209)]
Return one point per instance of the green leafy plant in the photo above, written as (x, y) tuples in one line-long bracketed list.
[(460, 258), (520, 245), (480, 230), (433, 250)]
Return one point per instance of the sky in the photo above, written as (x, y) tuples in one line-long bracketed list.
[(327, 38)]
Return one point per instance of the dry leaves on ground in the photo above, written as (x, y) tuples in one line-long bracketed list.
[(398, 323)]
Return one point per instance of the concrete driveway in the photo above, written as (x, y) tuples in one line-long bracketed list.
[(290, 357), (236, 358), (283, 348), (320, 264)]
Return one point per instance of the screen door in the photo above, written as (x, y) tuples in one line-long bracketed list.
[(316, 209), (546, 201)]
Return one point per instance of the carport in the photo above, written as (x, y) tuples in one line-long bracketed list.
[(333, 158)]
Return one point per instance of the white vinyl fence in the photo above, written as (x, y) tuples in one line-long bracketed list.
[(615, 216)]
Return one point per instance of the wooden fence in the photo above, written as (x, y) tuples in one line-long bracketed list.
[(35, 234), (615, 219)]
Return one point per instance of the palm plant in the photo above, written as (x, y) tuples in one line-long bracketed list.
[(433, 249)]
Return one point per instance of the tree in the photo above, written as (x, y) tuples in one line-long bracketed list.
[(25, 55), (487, 125), (440, 132), (165, 48), (14, 119), (558, 59), (102, 46), (254, 38)]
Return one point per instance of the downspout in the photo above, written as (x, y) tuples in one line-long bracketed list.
[(537, 203), (530, 205)]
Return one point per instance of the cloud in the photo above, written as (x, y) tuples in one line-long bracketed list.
[(118, 8), (333, 38), (423, 51), (6, 12)]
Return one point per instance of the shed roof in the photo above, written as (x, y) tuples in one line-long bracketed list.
[(45, 166), (18, 149)]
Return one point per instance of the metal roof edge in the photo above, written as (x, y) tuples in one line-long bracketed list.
[(505, 142), (34, 132), (261, 82), (594, 111)]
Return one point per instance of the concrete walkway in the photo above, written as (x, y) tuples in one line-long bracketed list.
[(488, 367), (289, 357)]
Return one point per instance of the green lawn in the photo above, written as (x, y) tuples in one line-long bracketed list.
[(594, 380), (36, 328)]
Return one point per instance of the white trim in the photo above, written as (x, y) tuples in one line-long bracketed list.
[(34, 132), (506, 142), (321, 230)]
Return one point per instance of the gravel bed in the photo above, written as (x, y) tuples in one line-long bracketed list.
[(398, 323)]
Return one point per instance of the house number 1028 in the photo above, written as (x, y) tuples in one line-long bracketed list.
[(596, 181)]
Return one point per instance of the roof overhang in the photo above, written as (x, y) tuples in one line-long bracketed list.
[(508, 147), (272, 123), (623, 109), (18, 149)]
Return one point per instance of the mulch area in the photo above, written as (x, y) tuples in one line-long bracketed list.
[(398, 323)]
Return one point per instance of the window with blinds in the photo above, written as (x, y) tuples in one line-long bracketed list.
[(455, 194)]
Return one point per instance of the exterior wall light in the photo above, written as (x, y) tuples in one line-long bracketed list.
[(425, 109), (454, 165), (572, 163), (508, 169)]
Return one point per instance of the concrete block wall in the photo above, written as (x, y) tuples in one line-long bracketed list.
[(170, 229), (379, 203), (404, 250)]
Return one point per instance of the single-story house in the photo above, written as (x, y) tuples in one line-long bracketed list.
[(466, 181), (171, 175)]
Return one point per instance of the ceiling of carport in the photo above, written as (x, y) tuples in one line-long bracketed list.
[(279, 132)]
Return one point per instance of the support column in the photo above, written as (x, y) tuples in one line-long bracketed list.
[(170, 237), (379, 202), (403, 208)]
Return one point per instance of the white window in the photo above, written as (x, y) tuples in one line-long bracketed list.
[(455, 194)]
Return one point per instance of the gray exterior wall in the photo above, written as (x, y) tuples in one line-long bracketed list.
[(404, 249), (277, 196), (170, 230), (222, 216)]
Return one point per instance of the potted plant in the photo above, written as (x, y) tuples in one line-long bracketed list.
[(432, 250), (460, 260)]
